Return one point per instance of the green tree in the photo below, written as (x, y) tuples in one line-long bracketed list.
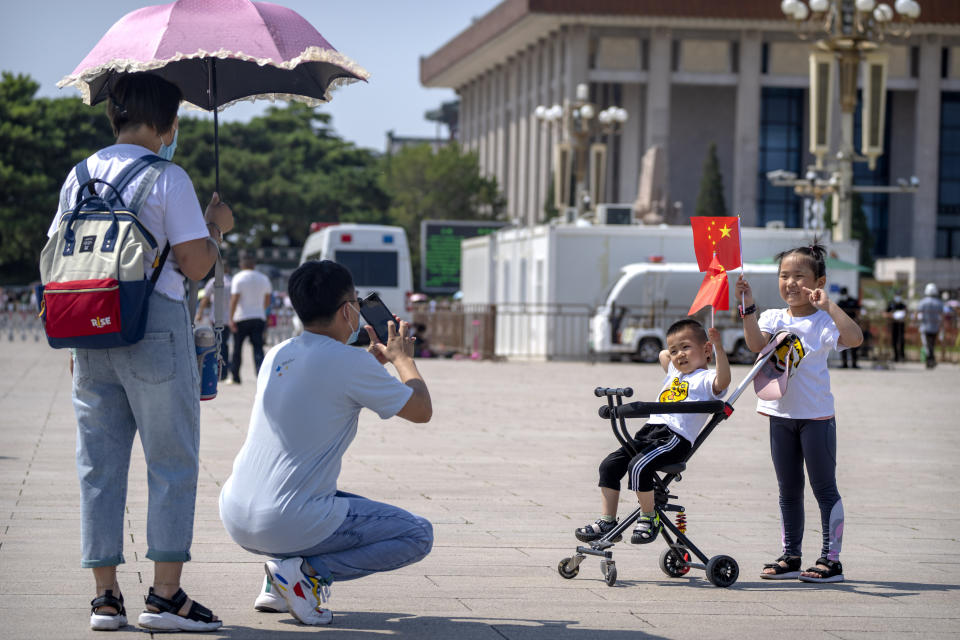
[(40, 140), (710, 201), (282, 171), (550, 210), (445, 184)]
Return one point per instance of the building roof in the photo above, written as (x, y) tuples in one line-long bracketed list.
[(515, 24)]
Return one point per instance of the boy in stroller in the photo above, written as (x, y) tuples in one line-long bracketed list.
[(666, 438)]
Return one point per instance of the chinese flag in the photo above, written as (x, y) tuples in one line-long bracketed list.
[(720, 236), (714, 291)]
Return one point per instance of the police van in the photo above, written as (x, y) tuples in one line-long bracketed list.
[(378, 257)]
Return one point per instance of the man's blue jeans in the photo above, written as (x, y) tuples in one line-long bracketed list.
[(374, 537)]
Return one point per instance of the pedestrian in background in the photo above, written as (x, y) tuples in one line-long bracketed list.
[(249, 300), (850, 306), (897, 316), (930, 315)]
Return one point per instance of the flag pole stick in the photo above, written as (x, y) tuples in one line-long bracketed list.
[(743, 267)]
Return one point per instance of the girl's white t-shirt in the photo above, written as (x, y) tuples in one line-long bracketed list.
[(171, 211), (808, 390)]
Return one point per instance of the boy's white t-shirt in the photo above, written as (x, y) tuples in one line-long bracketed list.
[(171, 211), (808, 389), (310, 390), (680, 387)]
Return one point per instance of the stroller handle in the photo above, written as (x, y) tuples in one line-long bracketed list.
[(624, 392), (646, 409)]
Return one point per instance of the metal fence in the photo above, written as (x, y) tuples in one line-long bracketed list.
[(20, 322), (510, 330)]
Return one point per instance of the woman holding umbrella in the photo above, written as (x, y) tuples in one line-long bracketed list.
[(150, 387)]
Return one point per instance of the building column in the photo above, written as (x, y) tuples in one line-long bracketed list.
[(534, 159), (483, 121), (522, 116), (631, 144), (576, 60), (923, 241), (500, 75), (746, 134), (657, 117), (512, 133), (463, 136)]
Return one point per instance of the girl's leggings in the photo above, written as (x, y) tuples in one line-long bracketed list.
[(814, 442)]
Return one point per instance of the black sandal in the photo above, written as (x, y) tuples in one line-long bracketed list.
[(780, 572), (647, 529), (167, 618), (832, 573), (107, 621)]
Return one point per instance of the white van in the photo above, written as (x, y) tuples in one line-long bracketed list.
[(378, 257), (647, 298)]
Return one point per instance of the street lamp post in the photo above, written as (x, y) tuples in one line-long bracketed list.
[(579, 122), (849, 33)]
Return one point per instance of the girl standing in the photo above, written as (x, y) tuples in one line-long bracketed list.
[(803, 428)]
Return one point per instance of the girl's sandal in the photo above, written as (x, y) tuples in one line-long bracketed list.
[(832, 573), (167, 618), (107, 621), (780, 572)]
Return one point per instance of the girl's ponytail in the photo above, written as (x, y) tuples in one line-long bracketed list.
[(815, 253)]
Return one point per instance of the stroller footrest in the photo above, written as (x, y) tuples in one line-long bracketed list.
[(595, 552)]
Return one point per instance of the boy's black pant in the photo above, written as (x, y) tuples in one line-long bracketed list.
[(657, 446)]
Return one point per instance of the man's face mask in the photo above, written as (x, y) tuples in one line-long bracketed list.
[(355, 332), (166, 150)]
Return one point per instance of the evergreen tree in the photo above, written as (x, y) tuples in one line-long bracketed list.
[(710, 200)]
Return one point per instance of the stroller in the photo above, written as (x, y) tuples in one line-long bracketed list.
[(675, 561)]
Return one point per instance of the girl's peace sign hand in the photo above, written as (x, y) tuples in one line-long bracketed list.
[(818, 298)]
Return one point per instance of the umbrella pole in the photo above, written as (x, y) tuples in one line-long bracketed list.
[(212, 90)]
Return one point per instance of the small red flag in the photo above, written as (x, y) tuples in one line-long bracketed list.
[(720, 236), (714, 291)]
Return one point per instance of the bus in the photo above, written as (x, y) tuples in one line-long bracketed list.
[(378, 257)]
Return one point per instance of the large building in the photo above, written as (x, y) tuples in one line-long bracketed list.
[(695, 72)]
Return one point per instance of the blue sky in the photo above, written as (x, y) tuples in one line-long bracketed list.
[(46, 39)]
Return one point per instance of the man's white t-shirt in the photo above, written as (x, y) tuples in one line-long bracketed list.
[(280, 496), (808, 389), (253, 287), (680, 387), (171, 211)]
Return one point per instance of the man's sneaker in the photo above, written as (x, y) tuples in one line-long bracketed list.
[(647, 529), (269, 601), (596, 530), (304, 594)]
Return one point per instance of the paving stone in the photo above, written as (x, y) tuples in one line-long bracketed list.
[(506, 471)]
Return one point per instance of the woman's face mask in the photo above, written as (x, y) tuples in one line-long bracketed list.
[(166, 150)]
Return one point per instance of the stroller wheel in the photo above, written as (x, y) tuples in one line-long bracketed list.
[(673, 562), (609, 570), (722, 571), (566, 571)]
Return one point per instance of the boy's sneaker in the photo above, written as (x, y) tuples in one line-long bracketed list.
[(304, 594), (269, 601), (647, 529), (596, 530)]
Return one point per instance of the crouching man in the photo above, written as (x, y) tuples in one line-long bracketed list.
[(281, 499)]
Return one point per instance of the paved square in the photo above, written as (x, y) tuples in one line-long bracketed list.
[(505, 471)]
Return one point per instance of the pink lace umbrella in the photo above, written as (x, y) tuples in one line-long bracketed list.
[(218, 52)]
